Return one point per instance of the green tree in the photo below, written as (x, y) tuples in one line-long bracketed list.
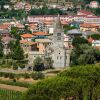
[(38, 64), (15, 33), (48, 62), (96, 11), (84, 54), (1, 49), (18, 53), (95, 36), (88, 79), (78, 41), (81, 82), (67, 28)]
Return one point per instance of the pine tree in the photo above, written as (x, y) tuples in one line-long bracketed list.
[(1, 49), (18, 53)]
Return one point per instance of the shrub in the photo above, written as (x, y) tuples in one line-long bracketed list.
[(16, 83), (14, 80), (6, 75), (38, 64), (26, 75), (11, 75), (15, 67), (37, 75)]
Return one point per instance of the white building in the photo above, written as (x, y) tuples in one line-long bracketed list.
[(94, 4), (96, 43), (92, 20)]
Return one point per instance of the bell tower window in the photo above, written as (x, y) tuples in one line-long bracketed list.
[(58, 36)]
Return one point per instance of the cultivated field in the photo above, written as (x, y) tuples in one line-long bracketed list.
[(9, 95)]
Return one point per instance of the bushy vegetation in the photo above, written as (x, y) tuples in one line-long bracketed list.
[(37, 75), (95, 36), (45, 11), (9, 95), (83, 53), (15, 83), (34, 75), (82, 83), (42, 64)]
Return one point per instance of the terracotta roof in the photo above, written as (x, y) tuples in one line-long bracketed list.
[(90, 39), (89, 25), (23, 41), (20, 25), (48, 22), (27, 35), (32, 26), (40, 33), (4, 26), (86, 12), (27, 42), (64, 22)]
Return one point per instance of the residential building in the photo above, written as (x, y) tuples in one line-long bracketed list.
[(41, 26), (84, 12), (94, 4), (5, 30), (27, 7), (69, 5), (92, 20), (27, 37), (96, 44), (89, 27), (19, 5)]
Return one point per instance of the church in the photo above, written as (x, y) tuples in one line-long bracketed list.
[(57, 51)]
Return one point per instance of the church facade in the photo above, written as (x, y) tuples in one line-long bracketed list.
[(57, 51)]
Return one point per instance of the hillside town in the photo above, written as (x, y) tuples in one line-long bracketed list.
[(45, 35), (50, 38)]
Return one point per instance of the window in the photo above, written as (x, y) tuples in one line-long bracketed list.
[(58, 38), (58, 34)]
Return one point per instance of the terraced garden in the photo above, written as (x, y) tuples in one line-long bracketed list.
[(9, 95)]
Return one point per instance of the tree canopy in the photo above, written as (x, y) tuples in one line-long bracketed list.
[(78, 41), (80, 82), (84, 54), (38, 64), (95, 36), (1, 48)]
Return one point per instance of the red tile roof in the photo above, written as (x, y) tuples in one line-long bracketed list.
[(27, 35), (27, 42), (2, 26), (32, 26), (90, 39), (89, 25), (86, 12), (40, 33), (20, 25)]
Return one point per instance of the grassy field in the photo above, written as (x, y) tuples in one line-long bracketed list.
[(10, 95)]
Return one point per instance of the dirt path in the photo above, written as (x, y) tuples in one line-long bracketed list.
[(15, 88)]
